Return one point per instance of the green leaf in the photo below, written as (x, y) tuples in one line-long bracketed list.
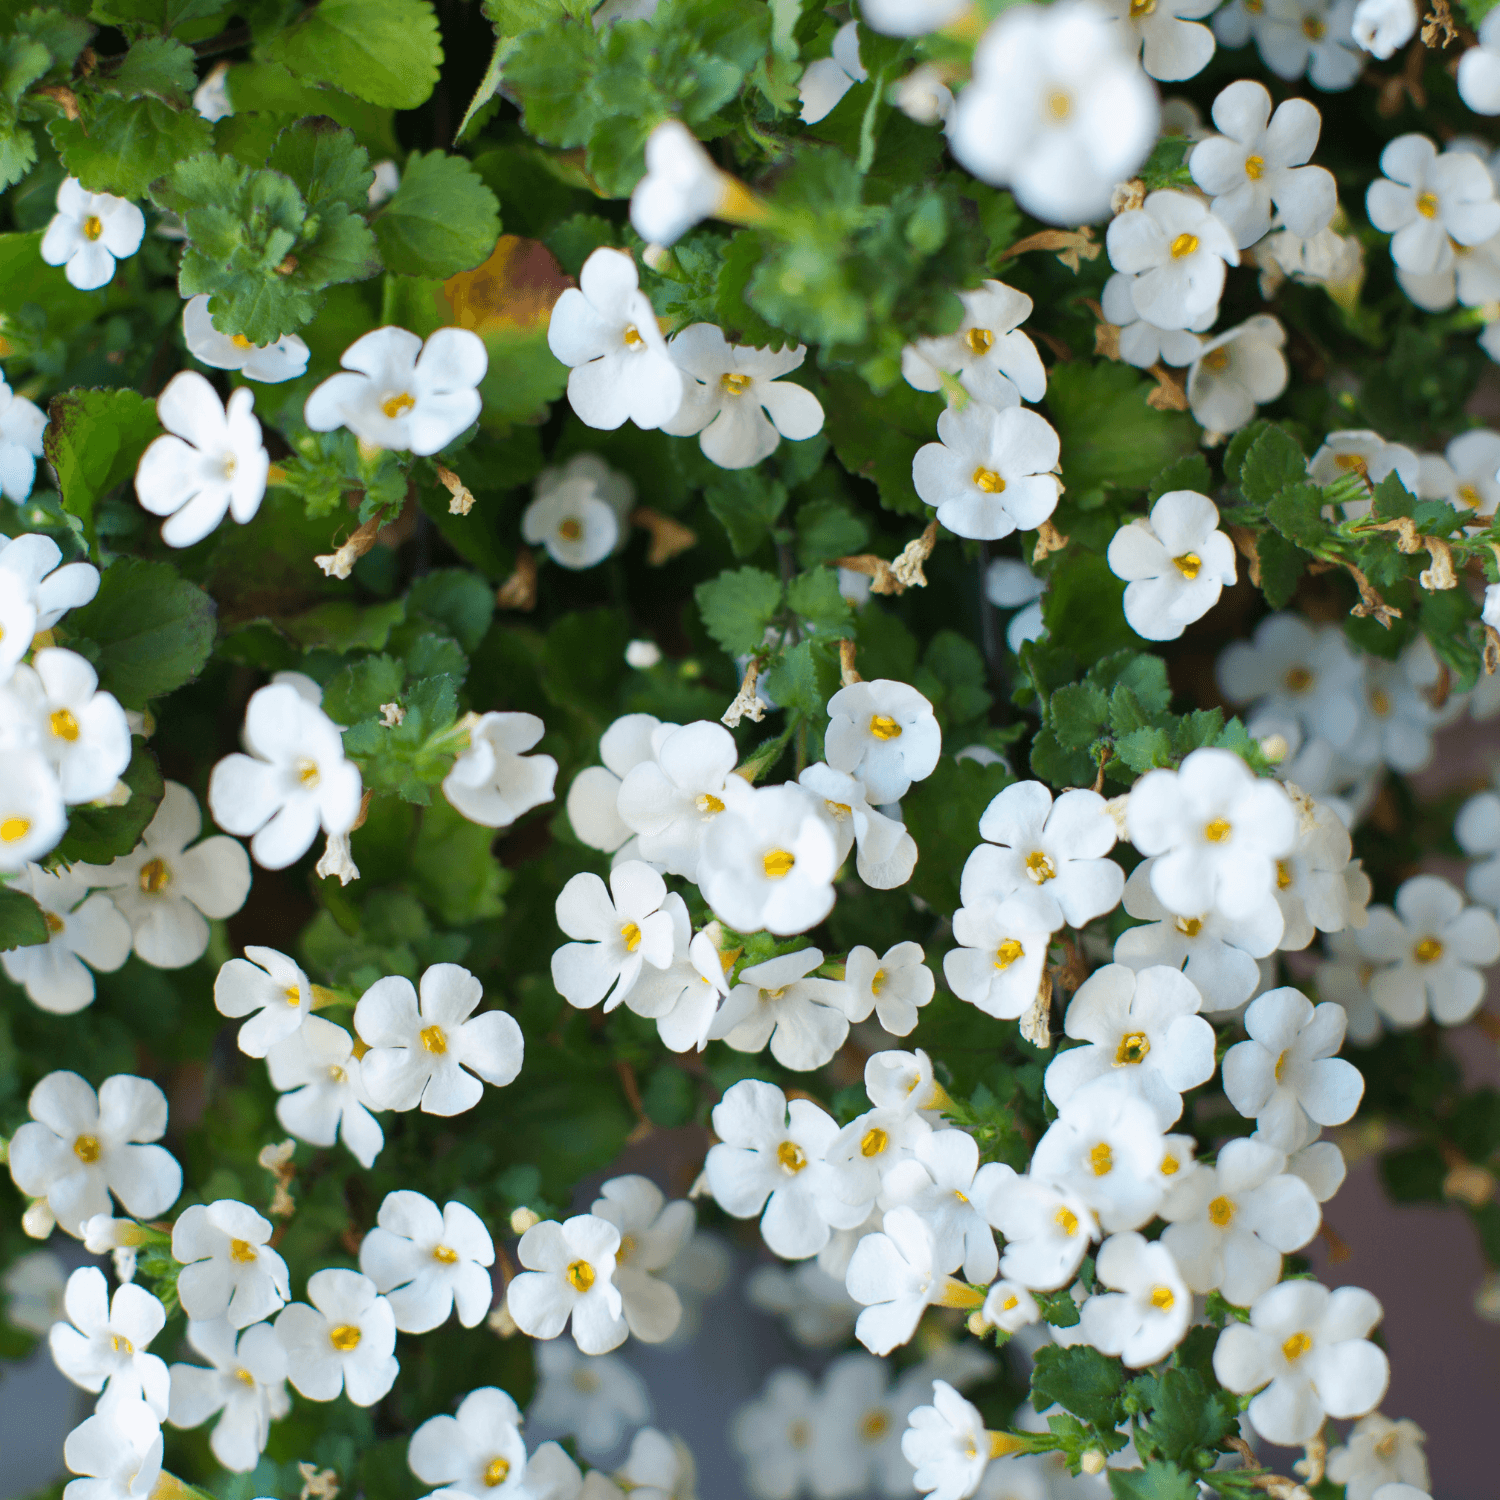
[(1145, 749), (357, 691), (157, 66), (942, 814), (94, 440), (1081, 1380), (441, 220), (326, 162), (805, 678), (1110, 436), (97, 835), (128, 143), (746, 502), (147, 631), (1157, 1481), (1271, 462), (1166, 167), (455, 872), (386, 51), (1185, 1417), (1083, 607), (1077, 714), (1188, 473), (953, 677), (1281, 567), (827, 529), (1297, 512), (22, 924), (876, 437), (814, 596), (457, 599), (738, 607)]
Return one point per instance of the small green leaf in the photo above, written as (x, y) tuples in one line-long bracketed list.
[(747, 502), (1077, 714), (805, 678), (1081, 1380), (386, 51), (1157, 1481), (827, 529), (357, 691), (128, 143), (455, 872), (157, 66), (1271, 462), (1145, 749), (326, 162), (94, 440), (22, 924), (97, 835), (814, 596), (1188, 473), (1110, 436), (457, 599), (737, 608), (1297, 512), (876, 437), (441, 220)]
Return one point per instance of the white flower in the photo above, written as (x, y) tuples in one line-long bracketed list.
[(1306, 1350), (427, 1262), (817, 1311), (1052, 850), (923, 96), (1428, 202), (1177, 250), (294, 780), (734, 399), (1047, 1228), (268, 364), (431, 1055), (119, 1449), (989, 474), (946, 1443), (883, 732), (1217, 953), (54, 706), (1381, 26), (598, 1399), (1299, 671), (32, 815), (397, 392), (802, 1018), (104, 1347), (1360, 451), (1477, 829), (684, 997), (1399, 719), (827, 79), (476, 1453), (904, 1080), (1142, 343), (887, 853), (1236, 372), (671, 798), (768, 860), (772, 1154), (619, 931), (909, 17), (1147, 1314), (35, 593), (1058, 110), (1259, 160), (593, 797), (1172, 45), (1287, 1073), (1008, 583), (1229, 1224), (1219, 830), (1175, 564), (1379, 1452), (83, 932), (869, 1147), (576, 526), (1004, 946), (1429, 951), (342, 1342), (210, 463), (857, 1439), (1317, 888), (22, 424), (269, 984), (1141, 1027), (987, 353), (895, 1275), (606, 332), (80, 1147), (1333, 261), (1345, 977), (322, 1090), (570, 1272), (34, 1287), (1010, 1306), (1312, 37), (895, 986), (682, 186), (652, 1233), (247, 1383), (89, 233), (644, 654), (1479, 71), (229, 1269), (1465, 475), (937, 1182), (776, 1435)]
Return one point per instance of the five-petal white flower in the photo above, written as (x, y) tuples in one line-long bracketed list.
[(1428, 202), (269, 364), (426, 1262), (987, 353), (344, 1341), (228, 1267), (570, 1273), (617, 932), (990, 472), (1147, 1311), (89, 233), (1177, 250), (104, 1347), (1175, 564), (246, 1381)]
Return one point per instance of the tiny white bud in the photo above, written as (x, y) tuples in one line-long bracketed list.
[(1092, 1462), (642, 654), (522, 1219)]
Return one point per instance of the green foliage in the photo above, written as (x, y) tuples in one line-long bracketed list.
[(125, 144), (1111, 439), (1082, 1381), (94, 440), (442, 219), (97, 835), (737, 609), (22, 923), (386, 51)]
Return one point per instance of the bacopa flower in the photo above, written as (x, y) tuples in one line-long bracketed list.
[(397, 392), (1310, 36), (895, 1275), (577, 527), (294, 780), (987, 353), (682, 186), (210, 463), (886, 853), (653, 1233), (344, 1341), (1173, 46), (493, 782), (322, 1090), (427, 1262), (1148, 1308), (1141, 342), (89, 233), (1177, 251), (735, 400), (22, 424), (119, 1449), (84, 932), (777, 1002), (269, 364), (245, 1381), (998, 966), (1047, 1227), (269, 988), (55, 706), (597, 1398), (895, 985), (1234, 373), (228, 1267), (671, 798), (1428, 202), (33, 816), (617, 932), (104, 1346), (937, 1181), (477, 1453), (35, 593), (885, 733), (569, 1273), (1175, 564), (1378, 1452)]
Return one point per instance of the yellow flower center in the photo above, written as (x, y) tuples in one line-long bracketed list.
[(632, 336), (1255, 167), (1162, 1298), (397, 406), (1189, 565), (13, 829), (988, 481), (445, 1256), (875, 1141), (1220, 1212), (86, 1149), (242, 1251), (1295, 1347), (570, 529), (798, 1435), (1281, 1064), (64, 725), (1380, 701), (1216, 359), (1427, 205), (632, 936), (1190, 926), (1185, 244), (709, 805), (240, 341), (92, 228), (1134, 1046), (792, 1157), (626, 1250), (1385, 1449), (1059, 104), (307, 772), (1468, 495), (244, 1376), (883, 727), (736, 385), (1314, 29), (1284, 876), (1010, 1304), (345, 1337), (1007, 953), (1170, 1166), (1427, 951), (433, 1040), (877, 981), (336, 1074), (778, 863), (1351, 463), (581, 1275), (1040, 868), (121, 1345), (1067, 1221), (292, 995), (53, 921), (875, 1426), (495, 1472), (1217, 831), (979, 340), (155, 876), (1102, 1159), (1298, 680)]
